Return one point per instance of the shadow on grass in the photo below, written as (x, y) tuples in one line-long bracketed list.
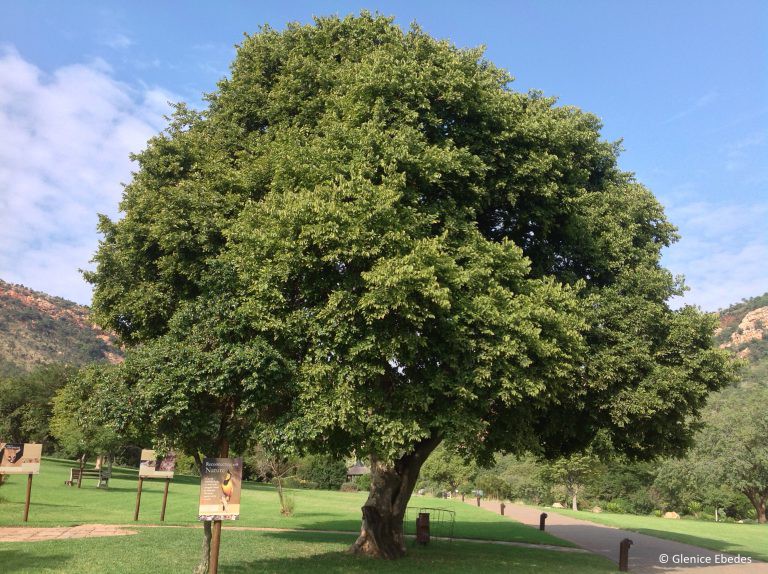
[(437, 556), (20, 561)]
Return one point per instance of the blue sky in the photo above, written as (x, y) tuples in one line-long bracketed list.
[(684, 84)]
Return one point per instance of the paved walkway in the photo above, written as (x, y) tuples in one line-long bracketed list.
[(647, 553), (62, 532)]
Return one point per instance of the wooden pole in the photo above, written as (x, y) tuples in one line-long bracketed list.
[(80, 476), (215, 545), (216, 534), (29, 495), (138, 500), (165, 499)]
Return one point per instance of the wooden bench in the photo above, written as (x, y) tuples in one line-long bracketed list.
[(102, 475)]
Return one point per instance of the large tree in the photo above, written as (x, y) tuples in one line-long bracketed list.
[(732, 449), (419, 254)]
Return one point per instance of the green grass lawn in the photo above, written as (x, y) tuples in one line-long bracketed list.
[(176, 550), (54, 504), (750, 539)]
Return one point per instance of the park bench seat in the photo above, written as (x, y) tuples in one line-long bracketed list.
[(102, 475)]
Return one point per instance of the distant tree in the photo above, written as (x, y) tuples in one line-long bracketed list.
[(446, 470), (82, 420), (26, 404), (525, 476), (573, 473), (733, 446), (274, 467)]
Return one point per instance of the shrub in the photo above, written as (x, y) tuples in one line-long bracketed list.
[(288, 505), (349, 487), (618, 506), (325, 472), (363, 482)]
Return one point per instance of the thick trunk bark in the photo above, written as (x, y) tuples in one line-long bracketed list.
[(574, 504), (758, 500), (381, 531)]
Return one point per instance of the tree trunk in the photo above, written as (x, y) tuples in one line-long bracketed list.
[(758, 500), (381, 531), (205, 557), (574, 504), (82, 466)]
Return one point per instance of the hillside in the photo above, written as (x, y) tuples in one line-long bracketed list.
[(744, 330), (36, 328)]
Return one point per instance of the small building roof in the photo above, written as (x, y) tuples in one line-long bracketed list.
[(358, 469)]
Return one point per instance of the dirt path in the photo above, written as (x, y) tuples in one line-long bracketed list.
[(62, 532), (647, 554)]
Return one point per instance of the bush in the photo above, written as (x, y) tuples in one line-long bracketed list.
[(363, 482), (618, 506), (288, 505), (493, 486), (349, 487), (325, 472)]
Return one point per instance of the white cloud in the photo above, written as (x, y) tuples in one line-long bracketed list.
[(64, 151), (739, 153), (699, 104), (117, 41), (722, 253)]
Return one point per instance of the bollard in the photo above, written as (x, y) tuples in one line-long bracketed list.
[(422, 528), (542, 518), (503, 506), (478, 501), (624, 555)]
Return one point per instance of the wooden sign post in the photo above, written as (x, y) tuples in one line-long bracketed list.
[(152, 466), (165, 499), (138, 499), (21, 459), (220, 481), (29, 496)]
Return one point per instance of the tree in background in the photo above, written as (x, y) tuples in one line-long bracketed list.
[(446, 471), (573, 473), (733, 446), (26, 404), (370, 241), (274, 467), (82, 420)]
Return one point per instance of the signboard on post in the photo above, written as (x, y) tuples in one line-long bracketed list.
[(17, 458), (220, 483), (21, 458), (152, 466)]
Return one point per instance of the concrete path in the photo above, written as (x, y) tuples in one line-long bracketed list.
[(647, 555)]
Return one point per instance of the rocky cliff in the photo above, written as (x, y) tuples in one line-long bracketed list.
[(744, 330)]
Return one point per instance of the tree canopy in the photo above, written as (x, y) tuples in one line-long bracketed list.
[(369, 241)]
